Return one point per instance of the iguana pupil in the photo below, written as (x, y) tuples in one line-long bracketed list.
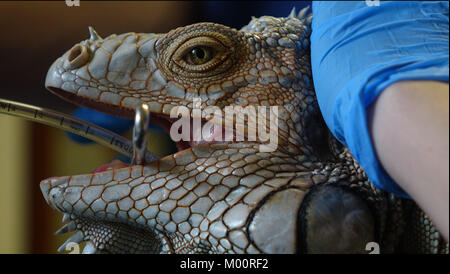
[(200, 55)]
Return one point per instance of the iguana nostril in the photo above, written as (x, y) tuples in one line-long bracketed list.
[(55, 197), (77, 57)]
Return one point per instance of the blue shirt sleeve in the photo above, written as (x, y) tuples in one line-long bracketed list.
[(360, 48)]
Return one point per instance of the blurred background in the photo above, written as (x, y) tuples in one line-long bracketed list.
[(33, 35)]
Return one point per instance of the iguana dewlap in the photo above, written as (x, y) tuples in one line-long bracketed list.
[(308, 195)]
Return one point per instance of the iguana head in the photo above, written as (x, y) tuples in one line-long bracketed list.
[(266, 63), (210, 197)]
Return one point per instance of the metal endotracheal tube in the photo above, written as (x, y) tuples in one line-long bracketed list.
[(93, 132)]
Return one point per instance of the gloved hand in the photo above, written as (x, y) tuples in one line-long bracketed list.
[(357, 50)]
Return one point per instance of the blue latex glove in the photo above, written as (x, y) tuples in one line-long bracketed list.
[(112, 123), (358, 50)]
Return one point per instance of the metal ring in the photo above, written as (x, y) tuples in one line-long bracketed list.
[(140, 130)]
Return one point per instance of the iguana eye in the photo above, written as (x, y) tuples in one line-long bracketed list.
[(199, 55)]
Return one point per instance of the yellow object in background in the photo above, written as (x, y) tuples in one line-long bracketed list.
[(15, 195)]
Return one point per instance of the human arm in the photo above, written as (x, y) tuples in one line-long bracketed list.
[(409, 124), (391, 59)]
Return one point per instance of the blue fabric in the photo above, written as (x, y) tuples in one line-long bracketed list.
[(358, 50)]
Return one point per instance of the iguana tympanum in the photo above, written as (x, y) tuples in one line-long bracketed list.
[(307, 196)]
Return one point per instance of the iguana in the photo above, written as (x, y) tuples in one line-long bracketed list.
[(307, 196)]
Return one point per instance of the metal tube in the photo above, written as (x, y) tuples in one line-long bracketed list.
[(66, 122)]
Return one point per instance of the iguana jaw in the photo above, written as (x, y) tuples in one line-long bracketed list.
[(151, 240)]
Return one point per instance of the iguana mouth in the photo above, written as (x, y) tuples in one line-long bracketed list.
[(98, 232), (160, 119)]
